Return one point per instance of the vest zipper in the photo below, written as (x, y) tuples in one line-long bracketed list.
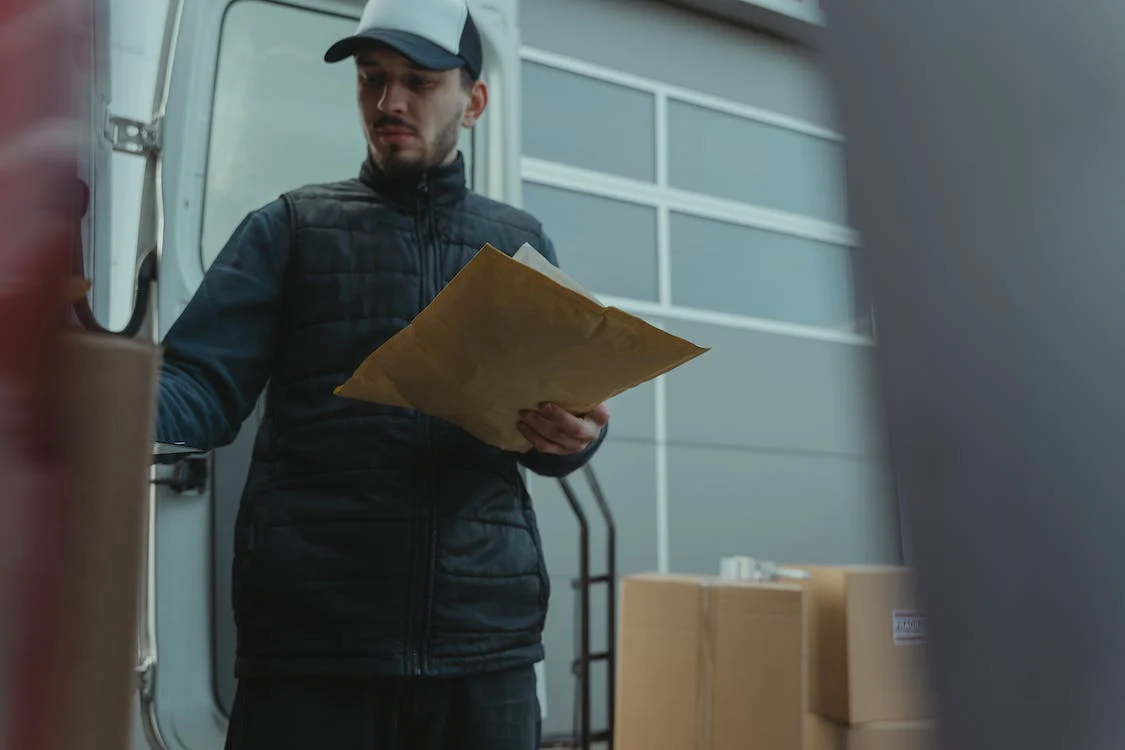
[(437, 279), (427, 236)]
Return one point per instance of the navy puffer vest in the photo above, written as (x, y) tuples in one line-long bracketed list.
[(375, 540)]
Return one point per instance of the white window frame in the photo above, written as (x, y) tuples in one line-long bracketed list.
[(666, 199)]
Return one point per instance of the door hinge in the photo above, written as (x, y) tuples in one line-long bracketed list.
[(146, 677), (134, 137)]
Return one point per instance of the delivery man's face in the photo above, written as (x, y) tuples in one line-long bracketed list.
[(412, 117)]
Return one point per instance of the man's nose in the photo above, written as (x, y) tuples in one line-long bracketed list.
[(394, 98)]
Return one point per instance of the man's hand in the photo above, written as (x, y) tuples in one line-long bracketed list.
[(555, 431)]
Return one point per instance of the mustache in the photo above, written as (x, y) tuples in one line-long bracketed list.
[(389, 121)]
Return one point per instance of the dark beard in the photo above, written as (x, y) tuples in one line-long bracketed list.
[(405, 168)]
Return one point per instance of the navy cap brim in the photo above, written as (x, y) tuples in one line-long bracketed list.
[(422, 52)]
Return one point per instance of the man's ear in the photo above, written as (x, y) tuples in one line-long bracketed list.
[(478, 101)]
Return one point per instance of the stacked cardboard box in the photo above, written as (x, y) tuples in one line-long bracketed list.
[(710, 665), (867, 682), (831, 663), (110, 413)]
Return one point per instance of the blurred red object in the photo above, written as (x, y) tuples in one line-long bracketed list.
[(43, 45)]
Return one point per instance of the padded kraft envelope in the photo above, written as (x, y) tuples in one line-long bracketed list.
[(505, 335)]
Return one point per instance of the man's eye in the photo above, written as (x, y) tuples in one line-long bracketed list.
[(419, 83), (370, 81)]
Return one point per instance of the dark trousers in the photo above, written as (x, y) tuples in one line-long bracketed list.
[(497, 711)]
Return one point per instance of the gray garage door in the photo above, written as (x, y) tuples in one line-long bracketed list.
[(689, 172)]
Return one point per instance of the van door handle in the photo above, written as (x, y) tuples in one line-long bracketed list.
[(183, 470)]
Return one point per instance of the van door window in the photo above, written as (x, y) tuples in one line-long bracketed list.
[(282, 117)]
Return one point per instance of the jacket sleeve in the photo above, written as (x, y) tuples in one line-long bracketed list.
[(219, 353), (545, 464)]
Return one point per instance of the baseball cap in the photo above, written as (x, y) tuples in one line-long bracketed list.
[(432, 34)]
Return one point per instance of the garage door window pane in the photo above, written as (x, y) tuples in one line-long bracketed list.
[(745, 271), (608, 246), (282, 118), (587, 123), (732, 157)]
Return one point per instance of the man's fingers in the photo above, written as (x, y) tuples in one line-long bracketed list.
[(538, 442), (566, 436), (552, 429), (599, 416), (566, 425)]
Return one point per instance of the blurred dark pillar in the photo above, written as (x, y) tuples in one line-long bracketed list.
[(43, 49), (986, 149)]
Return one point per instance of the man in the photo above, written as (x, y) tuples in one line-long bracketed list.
[(389, 584)]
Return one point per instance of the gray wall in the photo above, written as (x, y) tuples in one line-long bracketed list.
[(775, 445)]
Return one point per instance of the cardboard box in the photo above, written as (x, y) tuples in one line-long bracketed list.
[(825, 734), (705, 663), (893, 735), (110, 419), (866, 645)]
